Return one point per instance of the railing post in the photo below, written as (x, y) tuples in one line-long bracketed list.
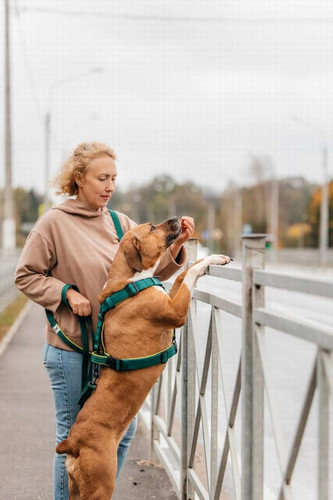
[(187, 392), (154, 434), (214, 407), (253, 256), (323, 428)]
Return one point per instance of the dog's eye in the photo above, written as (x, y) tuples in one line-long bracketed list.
[(152, 228)]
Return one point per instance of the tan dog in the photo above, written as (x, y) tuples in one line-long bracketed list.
[(139, 326)]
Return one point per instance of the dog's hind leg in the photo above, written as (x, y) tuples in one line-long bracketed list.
[(95, 474)]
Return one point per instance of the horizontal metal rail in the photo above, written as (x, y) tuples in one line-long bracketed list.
[(300, 327), (228, 273), (226, 305), (323, 288)]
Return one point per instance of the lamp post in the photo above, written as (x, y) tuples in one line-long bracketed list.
[(266, 174), (324, 205), (237, 219), (8, 225), (48, 124), (273, 206)]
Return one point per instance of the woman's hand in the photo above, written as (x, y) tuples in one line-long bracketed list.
[(79, 304), (187, 231)]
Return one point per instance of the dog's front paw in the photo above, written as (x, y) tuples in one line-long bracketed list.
[(218, 260)]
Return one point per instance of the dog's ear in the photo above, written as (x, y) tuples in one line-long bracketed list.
[(132, 254)]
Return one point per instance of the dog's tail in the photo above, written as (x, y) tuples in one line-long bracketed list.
[(64, 447)]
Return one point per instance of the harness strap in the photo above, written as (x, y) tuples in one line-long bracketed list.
[(121, 365), (117, 225), (130, 290), (110, 302)]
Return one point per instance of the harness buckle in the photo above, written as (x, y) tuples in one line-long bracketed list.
[(175, 345), (164, 357), (114, 364), (129, 289), (119, 365)]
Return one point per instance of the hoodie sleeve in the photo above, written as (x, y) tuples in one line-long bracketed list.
[(33, 272), (168, 265)]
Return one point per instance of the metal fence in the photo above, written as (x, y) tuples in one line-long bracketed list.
[(307, 257), (183, 390), (8, 261)]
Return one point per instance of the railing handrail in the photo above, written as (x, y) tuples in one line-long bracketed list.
[(294, 283)]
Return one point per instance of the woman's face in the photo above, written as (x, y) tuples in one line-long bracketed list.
[(99, 182)]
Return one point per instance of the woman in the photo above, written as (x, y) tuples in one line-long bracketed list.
[(75, 243)]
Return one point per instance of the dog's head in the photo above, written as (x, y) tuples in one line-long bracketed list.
[(144, 245)]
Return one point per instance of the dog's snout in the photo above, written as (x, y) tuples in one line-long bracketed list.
[(174, 224)]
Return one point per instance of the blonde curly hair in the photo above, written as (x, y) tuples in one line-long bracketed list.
[(78, 163)]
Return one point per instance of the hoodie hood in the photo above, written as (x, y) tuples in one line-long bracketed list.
[(77, 207)]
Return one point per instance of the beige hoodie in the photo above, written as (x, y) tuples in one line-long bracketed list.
[(74, 244)]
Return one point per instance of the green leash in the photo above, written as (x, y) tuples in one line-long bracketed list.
[(85, 326)]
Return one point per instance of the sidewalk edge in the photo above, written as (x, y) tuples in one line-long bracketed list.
[(15, 326)]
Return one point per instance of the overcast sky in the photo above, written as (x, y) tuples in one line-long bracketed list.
[(187, 88)]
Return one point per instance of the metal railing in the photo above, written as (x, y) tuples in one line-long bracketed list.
[(187, 385), (307, 257), (8, 262)]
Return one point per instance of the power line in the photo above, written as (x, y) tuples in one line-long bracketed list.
[(180, 19)]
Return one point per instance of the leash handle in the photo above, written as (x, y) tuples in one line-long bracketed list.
[(84, 322), (85, 325)]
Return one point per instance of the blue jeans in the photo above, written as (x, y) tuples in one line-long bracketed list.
[(64, 371)]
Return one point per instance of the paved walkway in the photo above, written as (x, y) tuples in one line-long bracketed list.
[(27, 428)]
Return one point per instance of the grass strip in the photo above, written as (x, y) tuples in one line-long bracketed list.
[(9, 315)]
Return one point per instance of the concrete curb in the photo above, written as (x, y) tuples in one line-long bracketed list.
[(15, 326)]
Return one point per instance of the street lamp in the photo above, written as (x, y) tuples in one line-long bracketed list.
[(47, 124), (273, 205), (324, 207), (8, 224)]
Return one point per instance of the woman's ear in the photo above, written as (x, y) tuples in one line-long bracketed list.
[(78, 179)]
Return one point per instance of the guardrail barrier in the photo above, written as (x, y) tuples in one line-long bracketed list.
[(178, 405)]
